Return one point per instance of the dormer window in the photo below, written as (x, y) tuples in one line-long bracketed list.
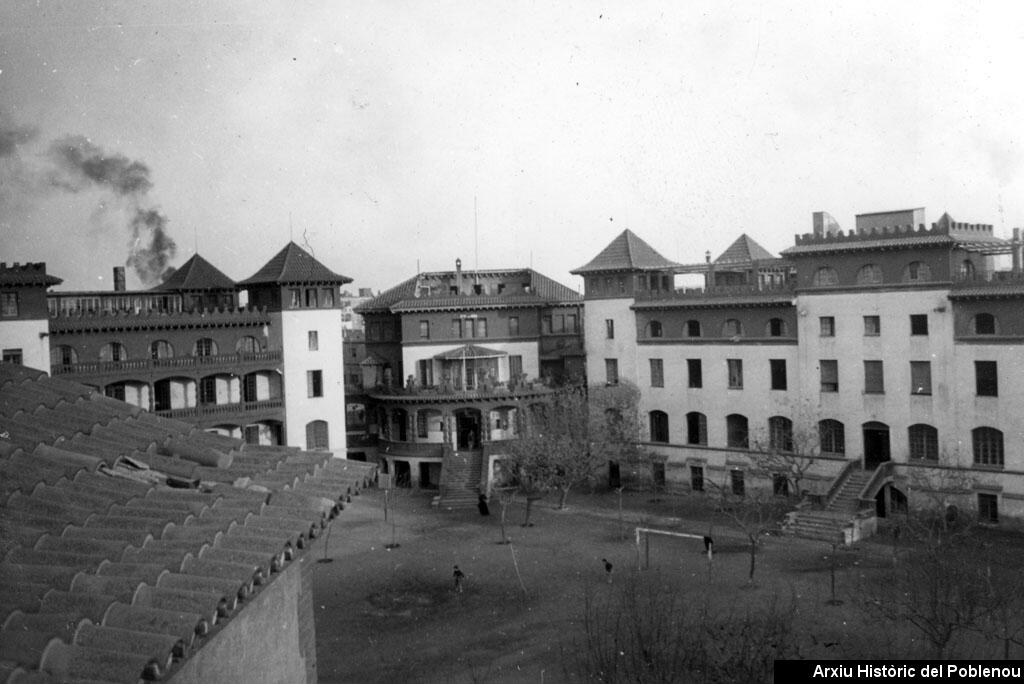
[(984, 324), (869, 274)]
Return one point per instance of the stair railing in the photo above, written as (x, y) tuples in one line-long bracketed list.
[(839, 481), (866, 496)]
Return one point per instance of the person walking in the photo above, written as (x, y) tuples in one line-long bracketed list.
[(459, 578), (607, 569)]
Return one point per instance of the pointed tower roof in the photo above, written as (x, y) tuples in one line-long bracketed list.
[(196, 274), (743, 251), (627, 252), (294, 265)]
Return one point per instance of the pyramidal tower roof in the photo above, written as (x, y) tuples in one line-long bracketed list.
[(744, 250), (626, 252), (196, 274), (294, 265)]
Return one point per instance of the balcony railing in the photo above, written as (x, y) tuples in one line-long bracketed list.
[(205, 410), (234, 360), (497, 390), (717, 291), (1010, 279)]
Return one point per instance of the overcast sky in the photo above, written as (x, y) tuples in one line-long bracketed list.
[(370, 130)]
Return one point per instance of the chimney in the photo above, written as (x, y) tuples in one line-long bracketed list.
[(1015, 247), (119, 284), (458, 276)]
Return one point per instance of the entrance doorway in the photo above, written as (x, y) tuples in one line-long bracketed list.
[(403, 474), (876, 444), (614, 479), (467, 429)]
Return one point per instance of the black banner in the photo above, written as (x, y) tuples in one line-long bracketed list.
[(865, 671)]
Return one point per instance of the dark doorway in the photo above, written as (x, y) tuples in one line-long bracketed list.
[(658, 474), (876, 445), (890, 500), (357, 456), (403, 475), (429, 475), (401, 419), (614, 480), (467, 428)]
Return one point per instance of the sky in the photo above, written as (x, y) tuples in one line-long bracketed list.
[(394, 136)]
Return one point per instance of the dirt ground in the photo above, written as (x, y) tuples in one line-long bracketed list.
[(392, 615)]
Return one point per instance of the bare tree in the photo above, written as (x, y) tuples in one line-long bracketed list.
[(788, 448), (566, 441), (754, 513)]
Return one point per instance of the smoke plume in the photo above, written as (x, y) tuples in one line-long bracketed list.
[(79, 165), (12, 136)]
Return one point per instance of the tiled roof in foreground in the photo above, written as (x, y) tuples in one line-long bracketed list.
[(125, 538)]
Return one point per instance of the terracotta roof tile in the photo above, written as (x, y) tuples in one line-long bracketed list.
[(626, 252), (106, 573), (294, 265), (196, 274)]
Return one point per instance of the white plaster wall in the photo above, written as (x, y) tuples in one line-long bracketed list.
[(623, 347), (289, 332), (1004, 412), (32, 338), (896, 348)]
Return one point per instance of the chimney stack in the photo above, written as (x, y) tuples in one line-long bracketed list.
[(458, 276), (119, 282)]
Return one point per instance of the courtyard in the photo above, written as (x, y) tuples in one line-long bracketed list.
[(392, 614)]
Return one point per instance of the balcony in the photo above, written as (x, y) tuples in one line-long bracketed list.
[(220, 410), (452, 393), (154, 366), (716, 295), (995, 283)]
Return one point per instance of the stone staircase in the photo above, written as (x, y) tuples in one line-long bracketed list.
[(829, 524), (460, 479)]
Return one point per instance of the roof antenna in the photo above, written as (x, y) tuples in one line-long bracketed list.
[(291, 235), (195, 240), (305, 242)]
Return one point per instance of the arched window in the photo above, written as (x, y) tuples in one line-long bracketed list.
[(316, 436), (831, 437), (659, 426), (984, 324), (917, 272), (732, 327), (654, 329), (988, 446), (113, 351), (924, 442), (160, 349), (737, 434), (63, 355), (696, 428), (692, 328), (776, 328), (247, 345), (824, 276), (204, 346), (869, 274), (967, 270), (780, 433)]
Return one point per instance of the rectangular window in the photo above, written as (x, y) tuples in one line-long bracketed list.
[(696, 428), (328, 297), (515, 366), (985, 379), (456, 327), (735, 367), (827, 325), (207, 391), (545, 325), (481, 327), (988, 508), (314, 383), (778, 370), (874, 378), (8, 304), (872, 326), (609, 329), (696, 375), (559, 324), (295, 294), (738, 486), (250, 388), (692, 328), (251, 434), (513, 326), (313, 340), (829, 375), (697, 478), (920, 377), (657, 373), (424, 330), (13, 356), (311, 298), (918, 324), (570, 323), (426, 372), (611, 371), (421, 424)]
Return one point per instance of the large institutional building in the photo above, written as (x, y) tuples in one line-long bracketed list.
[(268, 370), (892, 354)]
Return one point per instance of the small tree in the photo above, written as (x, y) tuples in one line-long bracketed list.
[(564, 442), (754, 513), (789, 449)]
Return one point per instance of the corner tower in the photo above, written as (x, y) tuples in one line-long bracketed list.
[(302, 297), (627, 269)]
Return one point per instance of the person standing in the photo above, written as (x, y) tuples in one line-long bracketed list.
[(459, 578)]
